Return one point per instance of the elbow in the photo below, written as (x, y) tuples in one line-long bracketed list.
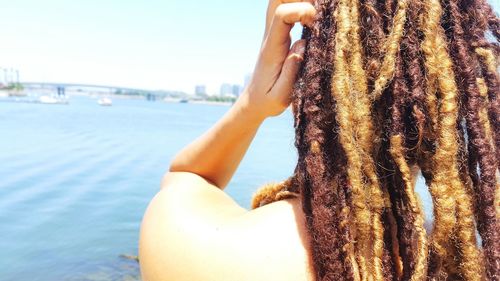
[(174, 169), (178, 176), (178, 166)]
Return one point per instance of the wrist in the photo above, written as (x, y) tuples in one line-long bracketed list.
[(250, 109)]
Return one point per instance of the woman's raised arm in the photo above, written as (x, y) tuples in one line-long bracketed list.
[(217, 153)]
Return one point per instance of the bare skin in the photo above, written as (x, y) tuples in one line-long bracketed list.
[(192, 230)]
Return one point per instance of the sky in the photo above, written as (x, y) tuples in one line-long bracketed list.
[(147, 44)]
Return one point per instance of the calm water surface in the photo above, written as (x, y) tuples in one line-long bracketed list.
[(75, 180)]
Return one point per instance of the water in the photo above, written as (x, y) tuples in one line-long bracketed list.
[(76, 179)]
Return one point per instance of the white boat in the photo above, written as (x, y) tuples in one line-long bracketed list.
[(105, 102), (52, 100)]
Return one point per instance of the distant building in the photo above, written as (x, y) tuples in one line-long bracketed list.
[(248, 77), (200, 90), (236, 90), (226, 90)]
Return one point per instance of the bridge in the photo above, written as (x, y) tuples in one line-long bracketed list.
[(90, 87), (61, 89)]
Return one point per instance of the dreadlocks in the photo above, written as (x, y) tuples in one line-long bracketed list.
[(389, 89)]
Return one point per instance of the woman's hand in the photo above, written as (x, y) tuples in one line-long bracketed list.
[(216, 155), (269, 91)]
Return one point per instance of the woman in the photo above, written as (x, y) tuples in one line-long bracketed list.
[(192, 229), (387, 89)]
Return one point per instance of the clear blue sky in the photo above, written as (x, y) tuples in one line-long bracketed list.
[(151, 44)]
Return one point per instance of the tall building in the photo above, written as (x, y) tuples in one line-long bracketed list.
[(248, 77), (200, 90), (236, 90), (226, 89)]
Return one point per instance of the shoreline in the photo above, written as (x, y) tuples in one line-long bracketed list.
[(34, 99), (215, 103)]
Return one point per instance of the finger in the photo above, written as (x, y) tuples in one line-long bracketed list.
[(285, 17), (285, 82), (271, 9), (277, 43)]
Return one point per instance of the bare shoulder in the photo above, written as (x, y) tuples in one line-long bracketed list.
[(194, 231)]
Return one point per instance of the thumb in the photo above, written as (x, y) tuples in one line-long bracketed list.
[(284, 84)]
